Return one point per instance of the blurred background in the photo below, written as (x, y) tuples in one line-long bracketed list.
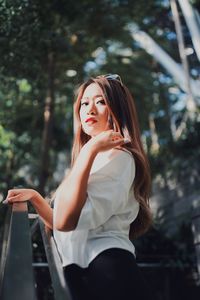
[(47, 48)]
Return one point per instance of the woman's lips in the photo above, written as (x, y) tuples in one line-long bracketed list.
[(90, 121)]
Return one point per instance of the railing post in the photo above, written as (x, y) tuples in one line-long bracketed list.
[(17, 279), (61, 289)]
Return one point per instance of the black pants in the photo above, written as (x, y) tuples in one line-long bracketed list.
[(112, 275)]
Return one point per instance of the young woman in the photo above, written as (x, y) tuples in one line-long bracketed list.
[(104, 200)]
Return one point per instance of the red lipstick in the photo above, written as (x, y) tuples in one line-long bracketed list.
[(91, 120)]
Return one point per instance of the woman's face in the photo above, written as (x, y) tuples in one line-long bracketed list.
[(93, 111)]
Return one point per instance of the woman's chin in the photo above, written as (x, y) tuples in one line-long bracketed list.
[(92, 133)]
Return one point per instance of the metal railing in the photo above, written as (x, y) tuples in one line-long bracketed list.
[(16, 266), (17, 280), (16, 269)]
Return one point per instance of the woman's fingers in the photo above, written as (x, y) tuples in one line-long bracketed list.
[(15, 198), (116, 136), (118, 142), (17, 195), (12, 197), (13, 192), (106, 140)]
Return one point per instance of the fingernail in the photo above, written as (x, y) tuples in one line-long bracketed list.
[(126, 141), (5, 201)]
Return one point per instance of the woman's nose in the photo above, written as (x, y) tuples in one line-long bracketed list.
[(91, 109)]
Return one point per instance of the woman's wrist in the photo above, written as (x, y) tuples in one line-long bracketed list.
[(91, 148), (35, 197)]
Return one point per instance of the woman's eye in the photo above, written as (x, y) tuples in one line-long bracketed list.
[(84, 103), (101, 101)]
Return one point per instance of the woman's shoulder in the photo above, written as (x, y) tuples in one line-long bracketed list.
[(114, 159), (123, 152), (121, 155), (122, 158)]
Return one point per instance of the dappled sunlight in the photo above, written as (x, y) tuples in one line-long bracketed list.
[(48, 49)]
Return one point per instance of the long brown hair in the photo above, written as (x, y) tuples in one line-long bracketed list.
[(124, 120)]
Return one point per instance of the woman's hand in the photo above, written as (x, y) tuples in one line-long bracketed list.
[(20, 195), (106, 140), (40, 204)]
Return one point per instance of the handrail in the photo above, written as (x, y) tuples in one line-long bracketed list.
[(16, 266), (61, 290), (17, 279), (4, 246)]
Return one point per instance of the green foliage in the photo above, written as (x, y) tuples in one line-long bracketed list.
[(74, 32)]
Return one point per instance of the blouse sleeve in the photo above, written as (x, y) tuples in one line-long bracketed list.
[(107, 193)]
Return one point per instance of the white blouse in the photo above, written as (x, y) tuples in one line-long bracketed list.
[(106, 216)]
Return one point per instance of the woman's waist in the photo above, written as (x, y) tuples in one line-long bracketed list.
[(108, 239)]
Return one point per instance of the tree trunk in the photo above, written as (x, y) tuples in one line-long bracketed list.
[(154, 136), (168, 120), (48, 122)]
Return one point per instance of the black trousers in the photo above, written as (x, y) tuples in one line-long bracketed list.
[(112, 275)]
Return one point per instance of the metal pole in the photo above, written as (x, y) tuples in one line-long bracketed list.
[(192, 23), (191, 105)]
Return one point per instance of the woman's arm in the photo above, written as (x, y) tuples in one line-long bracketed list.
[(72, 194), (43, 209), (39, 203), (73, 191)]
